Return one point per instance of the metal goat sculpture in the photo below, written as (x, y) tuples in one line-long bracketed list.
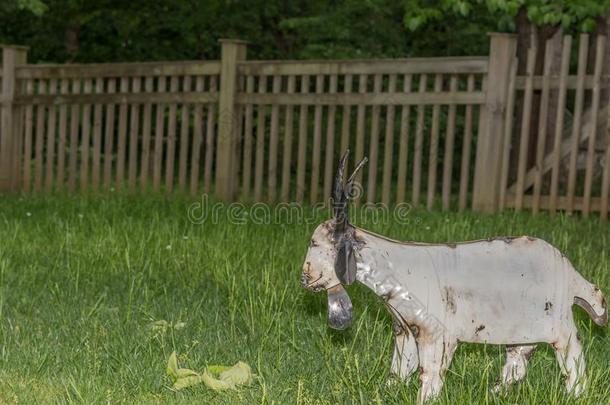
[(510, 291)]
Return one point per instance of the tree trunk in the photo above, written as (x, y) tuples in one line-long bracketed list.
[(71, 41)]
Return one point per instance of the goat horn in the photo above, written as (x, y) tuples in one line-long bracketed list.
[(350, 181), (338, 194)]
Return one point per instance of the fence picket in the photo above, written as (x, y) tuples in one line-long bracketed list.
[(330, 142), (185, 114), (506, 147), (273, 143), (197, 140), (403, 152), (40, 114), (86, 140), (247, 162), (122, 137), (302, 147), (287, 155), (159, 129), (466, 148), (97, 136), (50, 133), (605, 199), (449, 143), (210, 138), (317, 140), (74, 126), (419, 143), (433, 159), (371, 194), (583, 52), (260, 142), (597, 71), (388, 146), (171, 140), (109, 136), (542, 123), (134, 136), (146, 133), (346, 117), (27, 144), (361, 111), (525, 126), (561, 102)]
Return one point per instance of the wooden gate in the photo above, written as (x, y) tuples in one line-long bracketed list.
[(556, 143)]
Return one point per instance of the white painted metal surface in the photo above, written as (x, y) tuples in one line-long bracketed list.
[(510, 291)]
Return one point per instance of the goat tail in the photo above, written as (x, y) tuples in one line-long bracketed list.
[(590, 298)]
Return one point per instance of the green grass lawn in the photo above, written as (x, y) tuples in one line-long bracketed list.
[(81, 281)]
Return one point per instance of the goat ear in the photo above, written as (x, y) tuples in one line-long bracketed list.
[(345, 264)]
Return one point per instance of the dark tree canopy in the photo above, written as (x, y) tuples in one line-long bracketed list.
[(117, 30)]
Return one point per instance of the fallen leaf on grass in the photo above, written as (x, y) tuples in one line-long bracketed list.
[(159, 325), (228, 377), (162, 326), (215, 377), (181, 377)]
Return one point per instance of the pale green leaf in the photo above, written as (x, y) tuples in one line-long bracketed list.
[(187, 381), (214, 383), (239, 374), (215, 377), (172, 367)]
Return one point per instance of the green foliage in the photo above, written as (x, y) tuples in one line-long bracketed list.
[(36, 7), (576, 15), (349, 29), (141, 30)]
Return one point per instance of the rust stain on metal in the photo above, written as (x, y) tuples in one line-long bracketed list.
[(449, 300), (387, 296), (414, 330)]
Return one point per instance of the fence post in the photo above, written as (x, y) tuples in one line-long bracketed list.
[(489, 143), (232, 51), (12, 55)]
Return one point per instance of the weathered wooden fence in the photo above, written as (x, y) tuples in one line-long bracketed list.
[(115, 125), (444, 132), (570, 168), (323, 108)]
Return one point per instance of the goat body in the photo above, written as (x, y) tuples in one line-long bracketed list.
[(513, 291), (510, 291)]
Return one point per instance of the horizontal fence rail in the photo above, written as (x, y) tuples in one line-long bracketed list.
[(345, 67), (192, 68), (443, 133)]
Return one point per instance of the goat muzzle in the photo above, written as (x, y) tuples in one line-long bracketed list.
[(339, 308)]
